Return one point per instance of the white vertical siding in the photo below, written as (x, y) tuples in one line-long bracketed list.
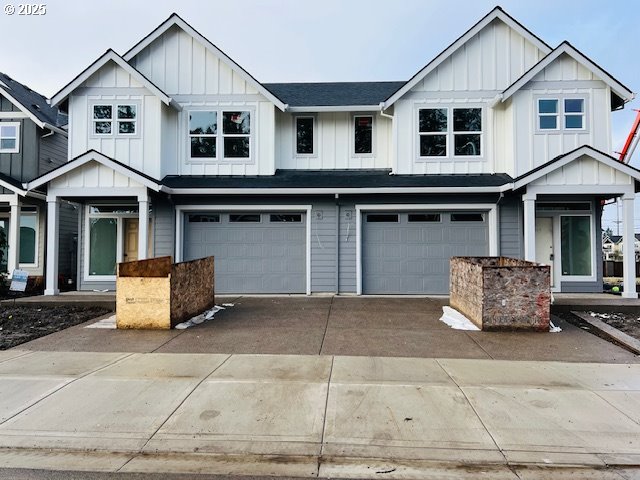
[(564, 77), (334, 142), (492, 60), (180, 65)]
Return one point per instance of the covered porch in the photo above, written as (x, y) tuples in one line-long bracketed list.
[(114, 202), (562, 205)]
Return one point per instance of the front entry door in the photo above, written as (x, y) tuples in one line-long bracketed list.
[(544, 243), (130, 239)]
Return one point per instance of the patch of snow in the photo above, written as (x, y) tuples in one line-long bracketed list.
[(456, 320), (228, 304)]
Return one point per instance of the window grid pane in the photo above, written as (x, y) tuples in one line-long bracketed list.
[(548, 106), (432, 120), (467, 119)]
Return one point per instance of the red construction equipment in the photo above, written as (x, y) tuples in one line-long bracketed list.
[(632, 141)]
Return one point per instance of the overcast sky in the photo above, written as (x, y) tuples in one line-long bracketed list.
[(309, 40)]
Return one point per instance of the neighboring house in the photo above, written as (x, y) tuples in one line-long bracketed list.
[(32, 142), (498, 146), (612, 247)]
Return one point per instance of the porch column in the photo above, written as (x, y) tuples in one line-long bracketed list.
[(53, 216), (13, 252), (628, 248), (143, 227), (529, 227)]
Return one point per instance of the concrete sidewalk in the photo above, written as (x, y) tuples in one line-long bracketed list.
[(338, 417)]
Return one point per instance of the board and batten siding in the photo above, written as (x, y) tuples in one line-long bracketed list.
[(112, 84), (471, 77), (564, 78), (584, 171), (179, 64), (23, 165), (334, 142), (93, 175), (197, 78)]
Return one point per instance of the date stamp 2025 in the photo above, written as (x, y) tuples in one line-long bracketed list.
[(26, 9)]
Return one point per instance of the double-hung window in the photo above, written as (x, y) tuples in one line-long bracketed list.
[(450, 131), (110, 119), (208, 141), (9, 137), (561, 114)]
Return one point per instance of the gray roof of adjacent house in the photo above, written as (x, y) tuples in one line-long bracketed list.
[(336, 179), (334, 93), (35, 103)]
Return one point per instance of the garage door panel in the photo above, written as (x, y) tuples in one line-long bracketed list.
[(413, 257), (251, 257)]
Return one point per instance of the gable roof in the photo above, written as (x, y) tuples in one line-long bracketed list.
[(111, 56), (568, 157), (30, 102), (175, 19), (496, 13), (566, 48), (333, 94), (12, 184), (93, 155)]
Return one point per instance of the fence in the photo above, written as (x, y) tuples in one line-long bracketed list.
[(614, 269)]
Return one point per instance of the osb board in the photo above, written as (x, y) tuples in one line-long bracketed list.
[(192, 289), (152, 267), (143, 303)]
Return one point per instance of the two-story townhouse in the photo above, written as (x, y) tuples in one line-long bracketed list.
[(498, 146), (32, 142)]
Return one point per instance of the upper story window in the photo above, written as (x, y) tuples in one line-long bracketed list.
[(561, 114), (439, 136), (362, 134), (115, 119), (305, 136), (9, 137), (205, 135)]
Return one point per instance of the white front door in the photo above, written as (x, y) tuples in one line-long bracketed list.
[(130, 239), (544, 243)]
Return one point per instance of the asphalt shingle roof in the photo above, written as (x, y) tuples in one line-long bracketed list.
[(33, 101), (336, 179), (333, 94)]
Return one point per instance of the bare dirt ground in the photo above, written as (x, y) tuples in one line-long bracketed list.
[(23, 323), (625, 322)]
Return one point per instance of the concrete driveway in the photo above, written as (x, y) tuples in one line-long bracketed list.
[(360, 326)]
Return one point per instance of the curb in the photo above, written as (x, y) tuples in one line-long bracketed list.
[(622, 338)]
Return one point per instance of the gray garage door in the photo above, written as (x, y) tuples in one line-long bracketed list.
[(408, 253), (255, 252)]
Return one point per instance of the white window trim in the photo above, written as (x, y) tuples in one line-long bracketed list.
[(314, 154), (558, 224), (35, 214), (561, 114), (352, 136), (181, 210), (490, 208), (16, 149), (114, 119), (220, 135), (87, 277), (450, 133)]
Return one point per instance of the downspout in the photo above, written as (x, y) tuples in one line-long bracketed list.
[(394, 141), (337, 243)]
